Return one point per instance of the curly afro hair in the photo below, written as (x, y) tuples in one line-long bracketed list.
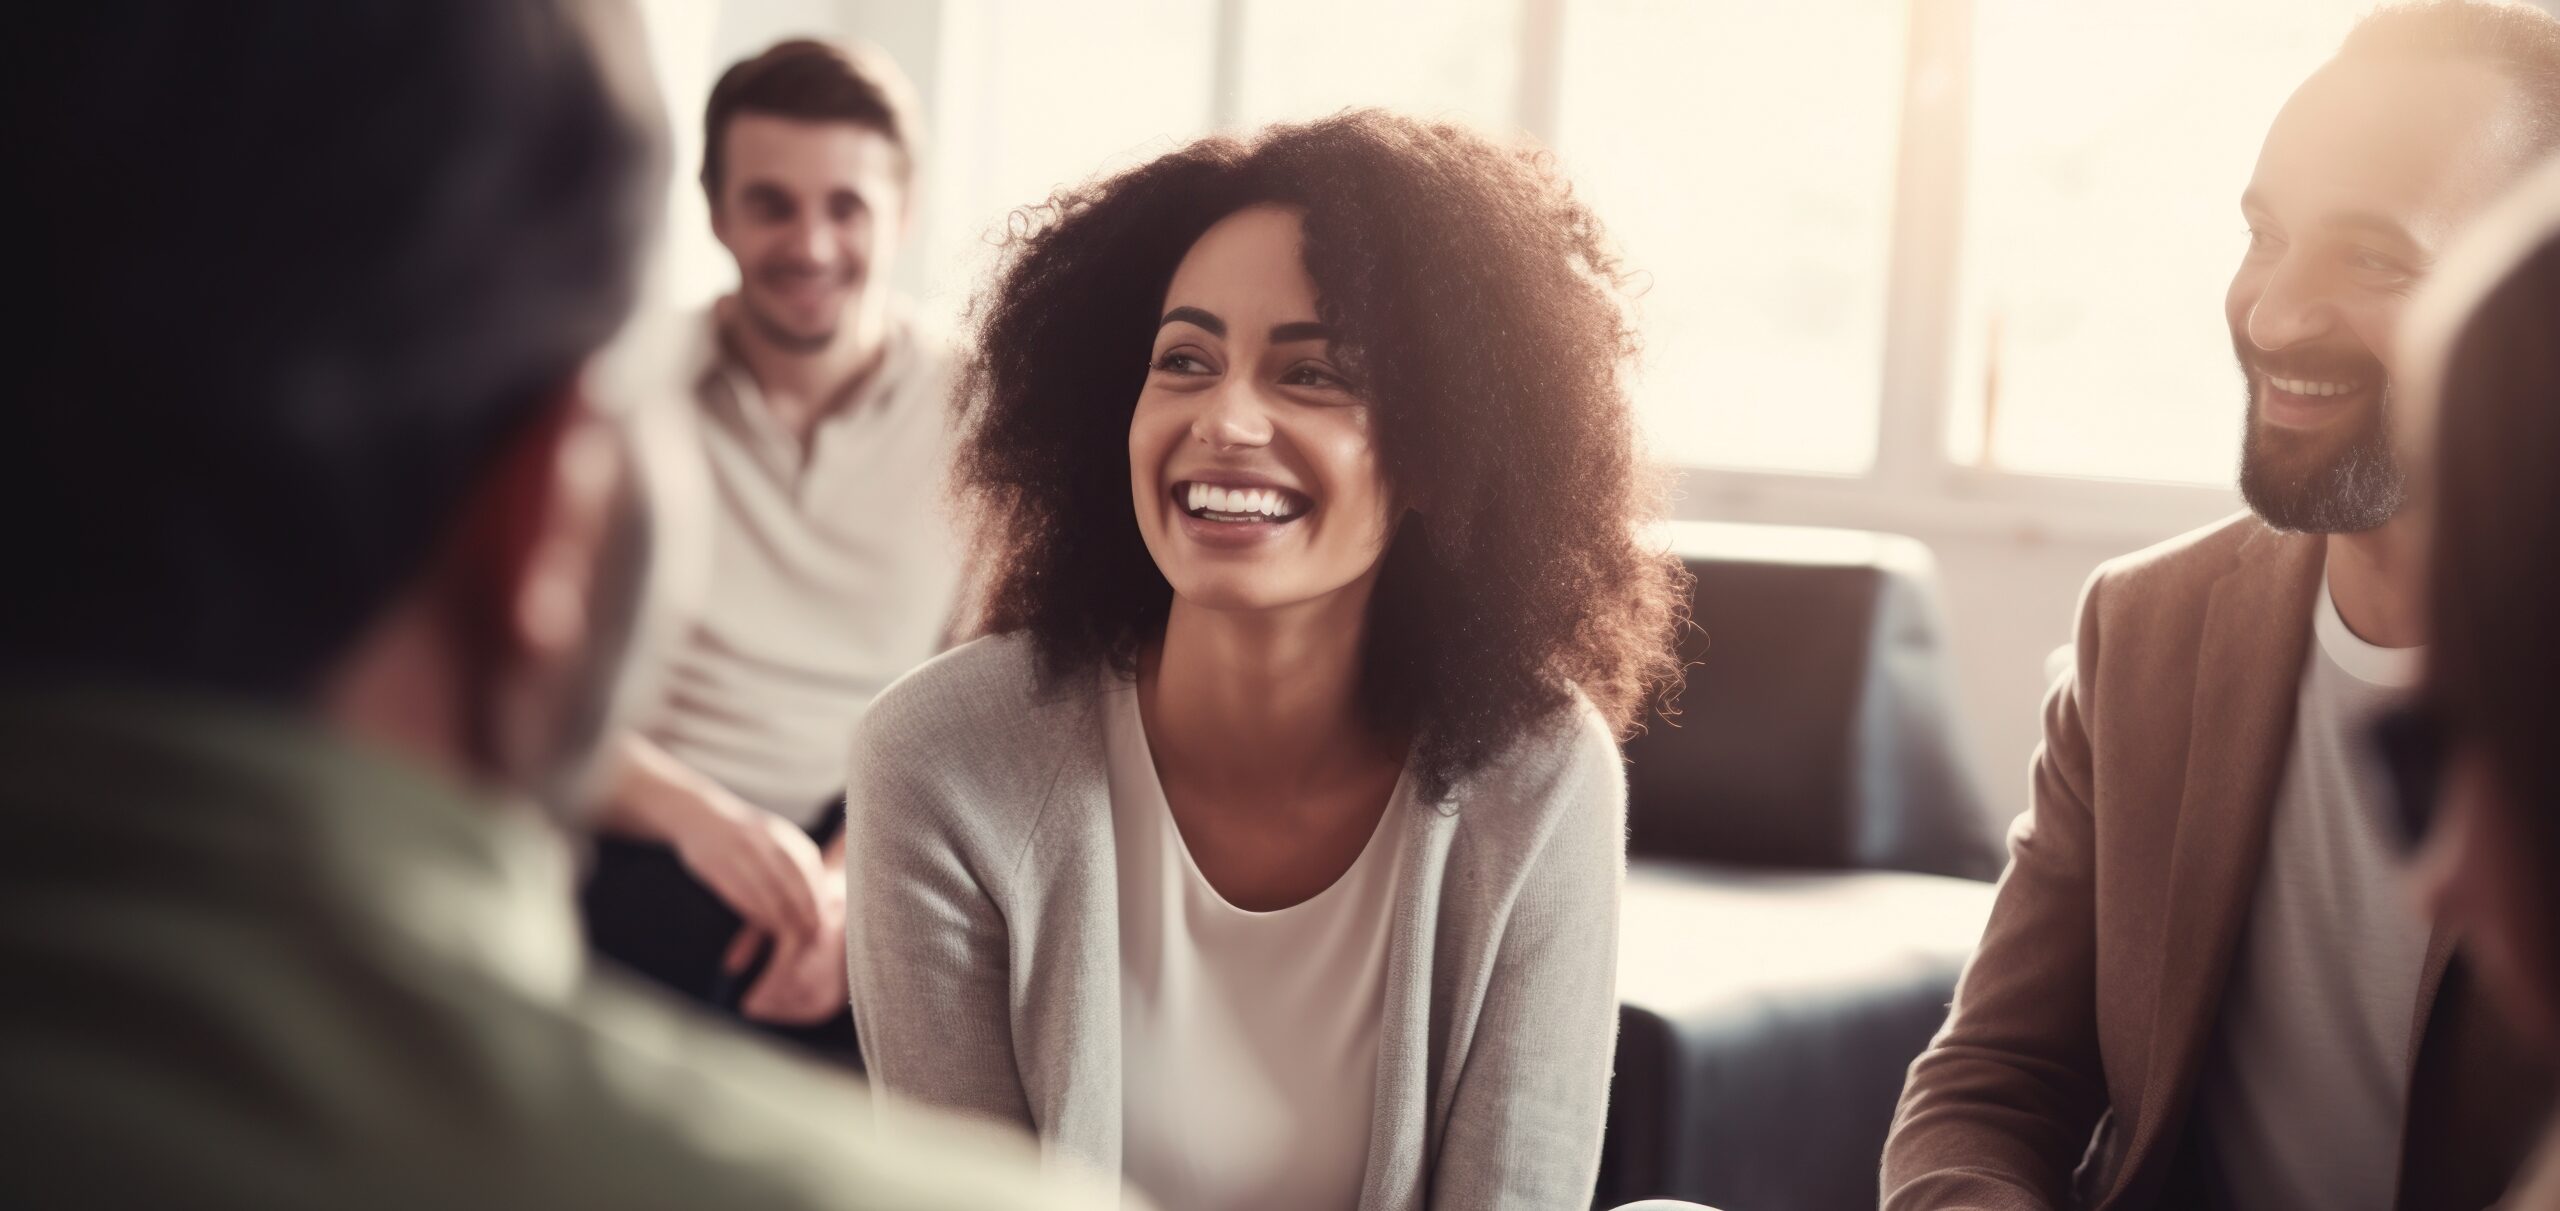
[(1480, 309)]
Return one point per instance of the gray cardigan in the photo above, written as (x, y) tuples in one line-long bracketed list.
[(984, 944)]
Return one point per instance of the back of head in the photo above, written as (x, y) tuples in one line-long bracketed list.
[(300, 273), (2495, 660)]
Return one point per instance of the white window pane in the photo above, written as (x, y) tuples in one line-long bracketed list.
[(1457, 60), (1024, 111), (2110, 145), (1742, 152)]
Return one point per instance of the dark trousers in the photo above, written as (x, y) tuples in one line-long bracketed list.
[(646, 912)]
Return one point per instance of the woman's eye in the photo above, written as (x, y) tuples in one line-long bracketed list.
[(1315, 376), (1178, 362)]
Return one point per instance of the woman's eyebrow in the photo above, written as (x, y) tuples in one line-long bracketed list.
[(1303, 330), (1195, 317)]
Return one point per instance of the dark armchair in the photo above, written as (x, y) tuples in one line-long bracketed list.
[(1808, 862)]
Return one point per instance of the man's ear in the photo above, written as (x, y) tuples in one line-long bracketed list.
[(718, 214), (525, 558), (910, 200), (720, 226)]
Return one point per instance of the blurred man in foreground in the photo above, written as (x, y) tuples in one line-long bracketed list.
[(2473, 753), (2200, 986), (323, 571)]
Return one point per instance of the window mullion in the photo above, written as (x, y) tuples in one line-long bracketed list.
[(1226, 66), (1928, 225), (1538, 107)]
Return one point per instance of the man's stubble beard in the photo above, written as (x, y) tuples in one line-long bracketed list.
[(2355, 485), (780, 336)]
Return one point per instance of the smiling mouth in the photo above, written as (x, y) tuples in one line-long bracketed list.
[(1241, 506), (2312, 388)]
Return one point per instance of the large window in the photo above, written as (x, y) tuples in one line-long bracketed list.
[(2109, 145), (1743, 154), (1880, 247), (1452, 59), (1034, 96)]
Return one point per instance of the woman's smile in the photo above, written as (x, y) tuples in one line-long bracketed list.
[(1240, 504), (1237, 514), (1252, 467)]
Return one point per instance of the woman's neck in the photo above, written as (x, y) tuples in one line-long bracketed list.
[(1261, 703)]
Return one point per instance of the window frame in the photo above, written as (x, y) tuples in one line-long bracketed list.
[(1912, 483)]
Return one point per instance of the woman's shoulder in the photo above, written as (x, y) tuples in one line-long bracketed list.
[(1549, 810), (974, 719), (1566, 764), (992, 675), (1571, 743)]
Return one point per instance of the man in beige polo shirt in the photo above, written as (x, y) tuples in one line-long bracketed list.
[(822, 412)]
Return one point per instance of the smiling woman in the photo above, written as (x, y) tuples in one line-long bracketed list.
[(1468, 305), (1268, 853)]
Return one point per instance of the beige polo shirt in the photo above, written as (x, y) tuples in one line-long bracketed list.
[(834, 567)]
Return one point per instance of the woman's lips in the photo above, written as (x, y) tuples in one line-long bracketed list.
[(1263, 503), (1235, 515), (1228, 534)]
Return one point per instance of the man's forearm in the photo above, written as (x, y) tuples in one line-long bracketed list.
[(647, 792)]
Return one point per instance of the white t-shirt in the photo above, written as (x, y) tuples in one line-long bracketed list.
[(2303, 1102), (834, 569), (1249, 1040)]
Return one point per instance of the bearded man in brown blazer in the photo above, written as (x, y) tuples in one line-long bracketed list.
[(2203, 984)]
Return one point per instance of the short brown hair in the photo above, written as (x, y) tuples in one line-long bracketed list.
[(813, 81)]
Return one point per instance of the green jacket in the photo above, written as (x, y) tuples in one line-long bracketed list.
[(244, 964)]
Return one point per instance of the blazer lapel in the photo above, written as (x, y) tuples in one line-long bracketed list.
[(2257, 631)]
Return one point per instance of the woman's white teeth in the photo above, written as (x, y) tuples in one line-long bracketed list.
[(1266, 502), (2312, 387)]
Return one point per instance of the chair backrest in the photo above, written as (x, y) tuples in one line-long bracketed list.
[(1817, 729)]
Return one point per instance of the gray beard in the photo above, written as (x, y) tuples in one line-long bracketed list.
[(2351, 489), (597, 697), (552, 746)]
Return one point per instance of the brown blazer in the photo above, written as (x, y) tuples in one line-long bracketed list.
[(2065, 1070)]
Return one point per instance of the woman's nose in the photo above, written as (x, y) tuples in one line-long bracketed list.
[(1234, 415)]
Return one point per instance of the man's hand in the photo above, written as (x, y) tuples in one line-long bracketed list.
[(804, 983), (759, 864)]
